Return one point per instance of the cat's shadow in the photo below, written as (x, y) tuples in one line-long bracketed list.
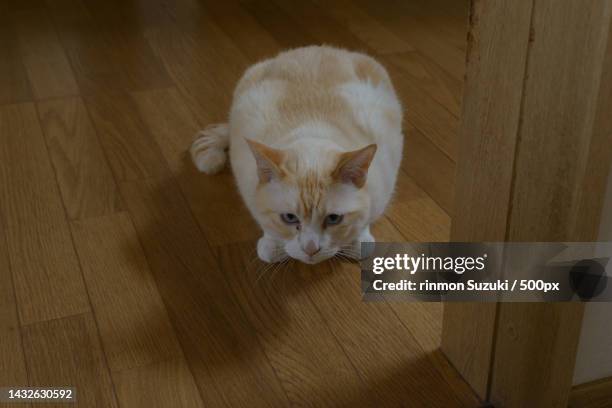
[(222, 301)]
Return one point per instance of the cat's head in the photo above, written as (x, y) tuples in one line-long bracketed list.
[(316, 204)]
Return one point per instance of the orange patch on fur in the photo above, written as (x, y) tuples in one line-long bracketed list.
[(369, 70)]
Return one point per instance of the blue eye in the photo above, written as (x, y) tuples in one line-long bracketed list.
[(289, 218), (333, 219)]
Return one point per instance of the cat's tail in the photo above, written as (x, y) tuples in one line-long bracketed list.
[(208, 150)]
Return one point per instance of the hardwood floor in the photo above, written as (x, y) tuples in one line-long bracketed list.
[(128, 274)]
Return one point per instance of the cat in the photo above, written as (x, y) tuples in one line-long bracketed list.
[(315, 143)]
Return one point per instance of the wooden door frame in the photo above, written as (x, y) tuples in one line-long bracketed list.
[(535, 147)]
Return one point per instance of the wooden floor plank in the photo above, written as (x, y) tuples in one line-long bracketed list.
[(446, 20), (316, 22), (416, 215), (132, 319), (362, 328), (219, 343), (14, 83), (424, 321), (428, 76), (204, 64), (366, 28), (46, 272), (595, 394), (404, 24), (67, 353), (105, 57), (44, 58), (160, 385), (313, 370), (83, 174), (123, 38), (431, 169), (29, 193), (243, 29), (174, 127), (93, 67), (125, 138), (12, 360), (422, 111), (276, 22), (45, 268)]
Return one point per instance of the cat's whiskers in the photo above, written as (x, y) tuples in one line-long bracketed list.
[(273, 265), (281, 266)]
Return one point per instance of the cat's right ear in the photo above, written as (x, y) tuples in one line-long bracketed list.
[(268, 161)]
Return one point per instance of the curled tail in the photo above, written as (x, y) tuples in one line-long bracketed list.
[(208, 150)]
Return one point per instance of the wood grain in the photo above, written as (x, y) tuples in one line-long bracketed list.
[(397, 19), (83, 174), (12, 360), (537, 200), (361, 328), (160, 385), (67, 352), (570, 108), (596, 173), (46, 273), (14, 84), (416, 215), (431, 78), (424, 321), (173, 127), (281, 26), (29, 191), (432, 170), (205, 72), (423, 111), (106, 56), (313, 370), (219, 343), (243, 29), (132, 319), (47, 278), (363, 26), (131, 158), (127, 47), (596, 394), (485, 167), (477, 219), (46, 63), (556, 122)]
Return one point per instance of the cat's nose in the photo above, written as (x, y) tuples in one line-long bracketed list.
[(311, 248)]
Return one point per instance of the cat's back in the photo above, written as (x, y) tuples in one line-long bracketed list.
[(314, 68), (313, 83), (303, 88)]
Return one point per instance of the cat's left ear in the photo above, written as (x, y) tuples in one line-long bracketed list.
[(353, 166), (268, 161)]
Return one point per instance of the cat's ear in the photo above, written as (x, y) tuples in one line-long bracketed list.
[(268, 161), (353, 166)]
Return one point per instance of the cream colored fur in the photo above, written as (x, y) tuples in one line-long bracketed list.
[(297, 114)]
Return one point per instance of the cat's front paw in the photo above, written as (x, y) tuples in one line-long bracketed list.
[(356, 251), (270, 250)]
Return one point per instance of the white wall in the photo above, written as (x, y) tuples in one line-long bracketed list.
[(594, 359)]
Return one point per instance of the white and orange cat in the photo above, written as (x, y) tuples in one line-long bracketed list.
[(315, 143)]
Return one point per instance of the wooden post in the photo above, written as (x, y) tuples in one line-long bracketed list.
[(535, 149)]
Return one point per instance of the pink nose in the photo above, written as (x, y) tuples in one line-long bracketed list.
[(311, 248)]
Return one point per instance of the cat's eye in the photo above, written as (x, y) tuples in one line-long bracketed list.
[(289, 218), (333, 219)]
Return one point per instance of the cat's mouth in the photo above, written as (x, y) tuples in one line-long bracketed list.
[(318, 257)]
